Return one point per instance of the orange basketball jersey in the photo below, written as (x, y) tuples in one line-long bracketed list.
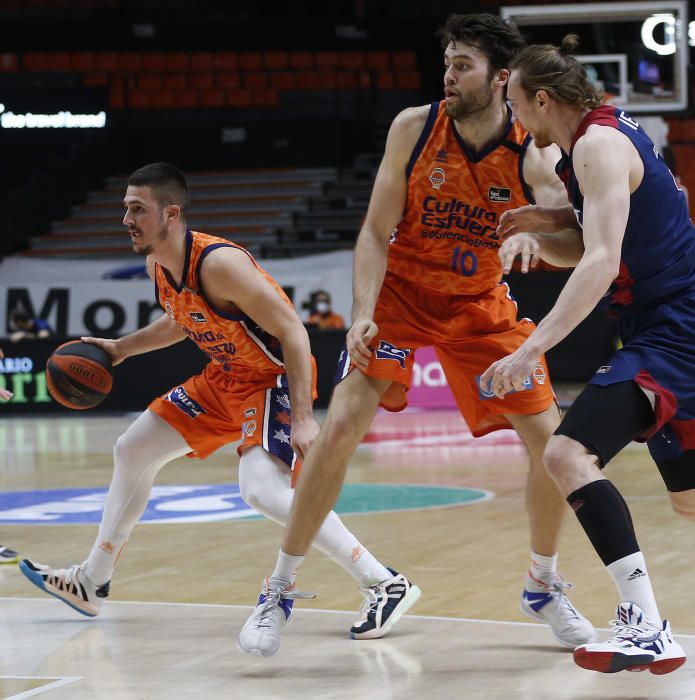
[(447, 240), (231, 339)]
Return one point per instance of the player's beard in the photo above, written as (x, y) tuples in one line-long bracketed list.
[(145, 250), (470, 104)]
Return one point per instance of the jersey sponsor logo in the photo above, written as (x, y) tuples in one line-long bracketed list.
[(437, 178), (487, 392), (441, 156), (461, 216), (283, 400), (197, 317), (182, 400), (499, 194), (603, 369), (388, 351), (249, 412)]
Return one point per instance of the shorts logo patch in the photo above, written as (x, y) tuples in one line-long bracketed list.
[(282, 436), (249, 412), (283, 417), (539, 374), (182, 400), (499, 194), (248, 428), (603, 369), (437, 178), (388, 351), (197, 317), (283, 400), (487, 392)]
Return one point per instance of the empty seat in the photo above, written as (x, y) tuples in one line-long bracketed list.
[(138, 99), (153, 62), (116, 93), (178, 61), (201, 81), (226, 61), (250, 60), (212, 98), (255, 80), (239, 98), (176, 81), (82, 61), (327, 59), (106, 61), (186, 98), (148, 83), (162, 99), (404, 59), (377, 60), (228, 81), (129, 62), (301, 59), (34, 62), (352, 60), (385, 80), (282, 80), (307, 80), (8, 62), (276, 60), (408, 79), (95, 79)]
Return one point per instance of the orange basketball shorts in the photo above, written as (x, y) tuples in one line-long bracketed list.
[(468, 333), (212, 409)]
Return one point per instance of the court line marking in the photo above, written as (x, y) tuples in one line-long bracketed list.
[(58, 681), (233, 606)]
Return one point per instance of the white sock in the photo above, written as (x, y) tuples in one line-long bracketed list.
[(632, 581), (543, 568), (286, 568)]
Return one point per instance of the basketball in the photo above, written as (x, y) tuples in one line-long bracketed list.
[(79, 375)]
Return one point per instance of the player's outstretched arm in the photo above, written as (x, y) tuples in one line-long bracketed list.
[(229, 275), (385, 210), (604, 161)]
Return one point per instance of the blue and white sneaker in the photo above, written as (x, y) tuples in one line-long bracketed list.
[(385, 603), (547, 602), (261, 634), (69, 585), (636, 645), (8, 556)]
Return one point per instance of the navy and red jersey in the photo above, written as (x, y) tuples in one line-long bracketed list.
[(658, 252)]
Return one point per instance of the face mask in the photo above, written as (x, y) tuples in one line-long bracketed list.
[(322, 307)]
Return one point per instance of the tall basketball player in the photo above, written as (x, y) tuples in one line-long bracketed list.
[(427, 272)]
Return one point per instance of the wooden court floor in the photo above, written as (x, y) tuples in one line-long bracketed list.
[(182, 591)]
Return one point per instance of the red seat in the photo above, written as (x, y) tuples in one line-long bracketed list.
[(308, 80), (186, 98), (328, 80), (178, 61), (327, 59), (282, 80), (153, 62), (385, 80), (149, 83), (34, 62), (202, 61), (228, 81), (162, 99), (255, 80), (301, 59), (138, 99), (82, 61), (239, 98), (404, 59), (347, 80), (250, 60), (95, 80), (129, 62), (116, 93), (408, 79), (266, 98), (176, 81), (212, 98), (276, 60), (226, 61), (377, 60), (106, 61), (201, 81), (352, 60), (8, 62)]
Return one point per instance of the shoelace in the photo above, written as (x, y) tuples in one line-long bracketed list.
[(622, 631), (561, 600), (271, 606), (372, 598)]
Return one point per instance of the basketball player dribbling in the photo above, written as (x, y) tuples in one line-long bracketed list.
[(427, 272), (633, 250), (258, 386)]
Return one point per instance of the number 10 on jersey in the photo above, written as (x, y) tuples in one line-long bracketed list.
[(466, 263)]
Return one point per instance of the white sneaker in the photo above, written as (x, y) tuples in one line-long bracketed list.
[(385, 603), (261, 634), (636, 645), (69, 585), (548, 603), (8, 556)]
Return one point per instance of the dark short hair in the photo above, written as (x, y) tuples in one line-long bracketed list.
[(555, 70), (167, 182), (499, 41)]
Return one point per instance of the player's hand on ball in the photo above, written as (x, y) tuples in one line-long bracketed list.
[(523, 244), (110, 347)]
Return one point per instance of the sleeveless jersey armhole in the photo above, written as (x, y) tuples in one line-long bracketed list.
[(426, 131)]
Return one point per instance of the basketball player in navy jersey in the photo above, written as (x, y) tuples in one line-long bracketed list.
[(633, 249)]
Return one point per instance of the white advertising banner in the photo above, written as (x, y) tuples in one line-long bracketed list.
[(86, 297)]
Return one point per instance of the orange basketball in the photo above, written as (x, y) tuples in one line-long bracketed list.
[(79, 375)]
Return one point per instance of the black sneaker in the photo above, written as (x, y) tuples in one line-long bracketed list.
[(385, 604)]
